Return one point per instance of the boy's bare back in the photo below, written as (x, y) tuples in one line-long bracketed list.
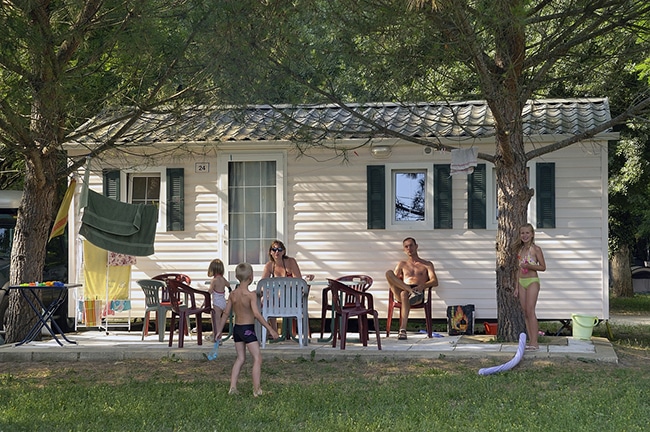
[(244, 305)]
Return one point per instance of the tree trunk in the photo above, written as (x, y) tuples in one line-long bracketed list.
[(513, 195), (30, 243), (622, 273), (41, 148)]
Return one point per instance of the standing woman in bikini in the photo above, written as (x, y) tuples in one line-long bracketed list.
[(280, 265), (531, 261)]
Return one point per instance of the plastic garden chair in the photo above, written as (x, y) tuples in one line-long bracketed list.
[(361, 307), (284, 298), (152, 290), (192, 307), (426, 305), (357, 282)]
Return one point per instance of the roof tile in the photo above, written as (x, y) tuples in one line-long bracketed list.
[(424, 120)]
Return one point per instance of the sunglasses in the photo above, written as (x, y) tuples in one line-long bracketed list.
[(277, 249)]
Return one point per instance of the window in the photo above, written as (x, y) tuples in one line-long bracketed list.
[(419, 197), (409, 191), (146, 187)]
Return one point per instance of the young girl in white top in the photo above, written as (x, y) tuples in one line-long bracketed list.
[(217, 290), (531, 261)]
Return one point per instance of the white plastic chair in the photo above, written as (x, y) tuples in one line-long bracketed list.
[(284, 298)]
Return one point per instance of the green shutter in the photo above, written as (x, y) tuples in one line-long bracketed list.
[(545, 193), (175, 199), (112, 184), (376, 177), (477, 198), (442, 210)]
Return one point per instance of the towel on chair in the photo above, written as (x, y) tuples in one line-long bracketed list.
[(116, 226), (463, 161)]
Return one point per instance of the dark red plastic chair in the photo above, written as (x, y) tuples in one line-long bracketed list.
[(192, 307), (357, 282), (361, 307), (164, 299), (426, 305)]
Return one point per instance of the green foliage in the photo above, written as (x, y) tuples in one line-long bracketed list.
[(629, 210), (138, 53), (317, 51), (639, 303)]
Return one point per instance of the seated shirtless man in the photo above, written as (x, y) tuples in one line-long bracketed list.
[(409, 280)]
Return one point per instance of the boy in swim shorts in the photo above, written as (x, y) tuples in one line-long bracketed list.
[(243, 303)]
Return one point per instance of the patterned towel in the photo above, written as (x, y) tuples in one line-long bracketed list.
[(92, 312)]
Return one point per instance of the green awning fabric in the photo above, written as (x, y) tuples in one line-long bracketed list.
[(119, 227)]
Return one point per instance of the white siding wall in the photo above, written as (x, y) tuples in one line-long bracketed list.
[(327, 234)]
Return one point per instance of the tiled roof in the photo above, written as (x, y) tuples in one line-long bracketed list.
[(422, 120)]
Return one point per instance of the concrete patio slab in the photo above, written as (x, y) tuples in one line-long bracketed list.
[(122, 345)]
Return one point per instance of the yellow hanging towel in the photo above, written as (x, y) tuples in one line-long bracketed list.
[(97, 273)]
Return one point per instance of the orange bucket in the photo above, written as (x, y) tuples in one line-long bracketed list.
[(490, 328)]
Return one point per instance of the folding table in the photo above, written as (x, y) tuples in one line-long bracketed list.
[(44, 313)]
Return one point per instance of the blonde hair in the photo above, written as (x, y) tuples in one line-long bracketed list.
[(519, 244), (243, 271), (216, 268)]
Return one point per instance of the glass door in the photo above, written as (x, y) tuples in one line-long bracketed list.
[(253, 208)]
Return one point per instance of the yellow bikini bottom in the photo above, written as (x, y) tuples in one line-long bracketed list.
[(526, 282)]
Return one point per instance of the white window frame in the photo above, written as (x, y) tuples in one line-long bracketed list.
[(125, 190), (391, 223)]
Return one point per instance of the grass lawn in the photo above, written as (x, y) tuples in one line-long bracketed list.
[(356, 394)]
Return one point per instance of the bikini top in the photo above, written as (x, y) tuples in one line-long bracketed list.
[(528, 258), (287, 273)]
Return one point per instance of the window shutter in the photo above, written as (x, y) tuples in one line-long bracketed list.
[(175, 199), (442, 216), (545, 193), (112, 184), (476, 193), (376, 178)]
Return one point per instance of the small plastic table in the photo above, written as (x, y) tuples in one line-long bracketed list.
[(44, 313)]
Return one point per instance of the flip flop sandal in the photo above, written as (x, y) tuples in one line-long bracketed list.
[(402, 335), (417, 298)]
